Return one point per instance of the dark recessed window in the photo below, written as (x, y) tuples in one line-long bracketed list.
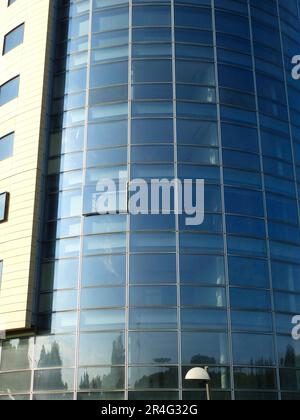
[(10, 2), (6, 146), (13, 39), (4, 197)]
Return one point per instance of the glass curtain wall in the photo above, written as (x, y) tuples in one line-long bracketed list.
[(195, 89)]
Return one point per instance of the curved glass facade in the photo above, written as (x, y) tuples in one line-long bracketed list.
[(162, 89)]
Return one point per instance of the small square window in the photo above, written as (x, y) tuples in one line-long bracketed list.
[(9, 91), (4, 199), (13, 39), (6, 146)]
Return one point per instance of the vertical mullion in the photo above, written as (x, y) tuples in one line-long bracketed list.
[(179, 336), (77, 341), (264, 195), (222, 184), (127, 304), (32, 366)]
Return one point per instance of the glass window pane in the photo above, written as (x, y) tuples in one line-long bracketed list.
[(110, 20), (110, 39), (13, 39), (199, 243), (54, 351), (104, 224), (102, 320), (151, 35), (6, 146), (290, 379), (107, 134), (61, 274), (105, 244), (251, 349), (194, 36), (250, 299), (153, 377), (192, 72), (232, 135), (53, 397), (152, 131), (192, 17), (151, 16), (15, 397), (102, 349), (203, 319), (154, 318), (245, 202), (287, 302), (247, 246), (153, 296), (152, 269), (142, 242), (104, 297), (246, 226), (9, 90), (151, 71), (248, 272), (101, 378), (103, 396), (286, 277), (16, 354), (109, 74), (282, 209), (197, 132), (57, 323), (204, 348), (54, 380), (15, 382), (58, 301), (153, 396), (153, 348), (289, 351), (233, 24), (255, 378), (203, 296), (251, 321), (106, 270), (79, 26)]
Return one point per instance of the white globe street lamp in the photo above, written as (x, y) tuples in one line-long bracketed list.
[(200, 374)]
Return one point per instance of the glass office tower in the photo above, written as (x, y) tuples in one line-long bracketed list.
[(194, 89)]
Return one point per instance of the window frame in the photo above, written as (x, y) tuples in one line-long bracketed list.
[(3, 138), (6, 207), (5, 84), (4, 52)]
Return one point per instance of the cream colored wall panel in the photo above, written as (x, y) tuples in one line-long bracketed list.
[(16, 275), (20, 175), (13, 319), (12, 287), (19, 297)]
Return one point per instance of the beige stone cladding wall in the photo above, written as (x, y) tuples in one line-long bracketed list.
[(20, 175)]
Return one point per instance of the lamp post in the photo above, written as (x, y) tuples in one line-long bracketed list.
[(200, 374)]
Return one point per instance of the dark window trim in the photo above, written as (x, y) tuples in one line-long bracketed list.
[(7, 199), (8, 33), (6, 83)]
